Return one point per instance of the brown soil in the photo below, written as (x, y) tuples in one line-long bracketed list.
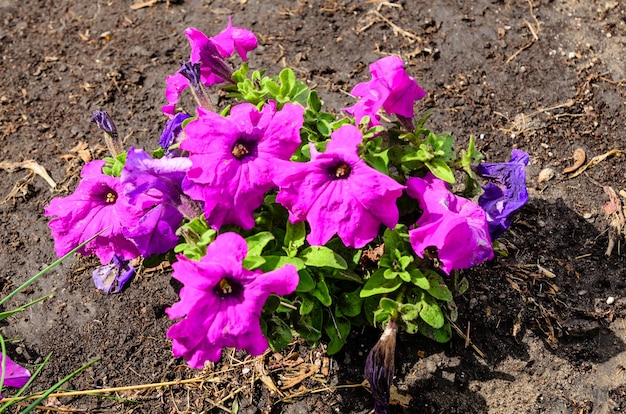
[(544, 76)]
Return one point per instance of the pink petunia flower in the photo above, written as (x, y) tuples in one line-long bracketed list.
[(390, 88), (456, 226), (221, 302), (15, 375), (233, 158), (337, 192), (211, 54), (96, 204)]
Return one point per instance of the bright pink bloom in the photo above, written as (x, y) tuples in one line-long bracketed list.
[(454, 225), (98, 203), (221, 302), (390, 88), (233, 158), (14, 376), (337, 192), (211, 54)]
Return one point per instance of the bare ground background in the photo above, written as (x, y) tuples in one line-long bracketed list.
[(546, 77)]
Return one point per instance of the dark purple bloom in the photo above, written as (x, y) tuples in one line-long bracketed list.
[(97, 204), (379, 368), (153, 188), (173, 129), (191, 71), (505, 193), (112, 139), (111, 278), (234, 158)]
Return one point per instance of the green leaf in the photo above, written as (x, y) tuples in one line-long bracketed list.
[(410, 312), (307, 305), (337, 330), (306, 283), (389, 305), (309, 325), (252, 262), (419, 279), (321, 293), (276, 262), (257, 242), (438, 287), (350, 303), (440, 169), (322, 256), (431, 313), (441, 335), (377, 284), (294, 237), (278, 334)]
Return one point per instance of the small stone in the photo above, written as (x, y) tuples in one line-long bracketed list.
[(582, 292), (610, 300), (245, 371), (545, 175)]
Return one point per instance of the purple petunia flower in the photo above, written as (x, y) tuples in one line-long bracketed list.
[(233, 158), (96, 204), (221, 302), (153, 188), (172, 133), (111, 278), (390, 88), (337, 192), (15, 375), (211, 54), (505, 193), (454, 225)]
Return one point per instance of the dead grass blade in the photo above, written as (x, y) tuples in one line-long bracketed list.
[(29, 165)]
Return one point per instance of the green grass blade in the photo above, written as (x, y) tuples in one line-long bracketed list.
[(57, 386), (6, 314), (47, 269)]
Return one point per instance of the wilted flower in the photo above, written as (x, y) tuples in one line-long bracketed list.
[(172, 132), (221, 302), (210, 53), (390, 88), (505, 193), (97, 204), (337, 192), (111, 278), (456, 226), (379, 367), (233, 158)]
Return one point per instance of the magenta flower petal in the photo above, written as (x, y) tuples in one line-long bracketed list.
[(390, 88), (15, 375), (338, 193), (235, 39), (454, 225), (221, 302), (98, 203), (233, 158)]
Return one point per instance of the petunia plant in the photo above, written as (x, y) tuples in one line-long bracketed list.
[(281, 218)]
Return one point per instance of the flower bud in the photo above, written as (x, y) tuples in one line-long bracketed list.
[(112, 139), (379, 367)]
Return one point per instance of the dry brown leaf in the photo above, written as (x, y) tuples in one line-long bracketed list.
[(579, 159), (30, 165)]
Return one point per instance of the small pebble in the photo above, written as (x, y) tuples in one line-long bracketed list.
[(582, 292), (245, 371), (610, 300), (545, 175)]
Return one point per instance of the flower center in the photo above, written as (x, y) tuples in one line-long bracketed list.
[(240, 150), (227, 287), (111, 197), (342, 171)]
